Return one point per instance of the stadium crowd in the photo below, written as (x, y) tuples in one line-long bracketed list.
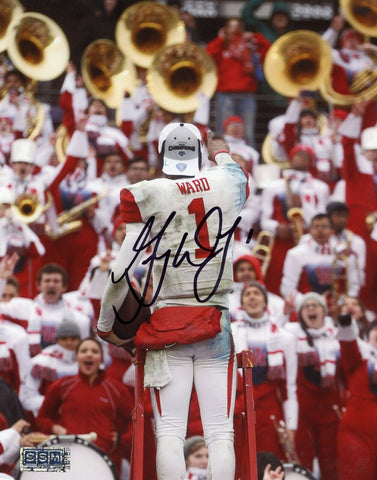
[(303, 298)]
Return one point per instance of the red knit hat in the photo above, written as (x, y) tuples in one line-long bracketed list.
[(254, 262), (339, 113), (301, 147), (232, 119)]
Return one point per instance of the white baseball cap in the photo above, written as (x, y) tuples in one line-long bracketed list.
[(369, 138), (23, 150), (180, 146)]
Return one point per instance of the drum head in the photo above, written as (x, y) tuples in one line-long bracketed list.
[(88, 462), (297, 472)]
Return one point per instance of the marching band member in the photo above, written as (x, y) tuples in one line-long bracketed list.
[(349, 243), (312, 265), (298, 189), (274, 368), (357, 456), (41, 317), (318, 384), (359, 173)]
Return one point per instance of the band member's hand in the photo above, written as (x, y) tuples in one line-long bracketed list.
[(289, 304), (7, 265), (81, 122), (337, 23), (20, 426), (273, 474), (215, 144), (58, 430)]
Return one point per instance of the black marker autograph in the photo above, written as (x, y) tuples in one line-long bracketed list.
[(144, 241)]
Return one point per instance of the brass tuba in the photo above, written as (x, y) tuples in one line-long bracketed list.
[(37, 46), (296, 61), (178, 73), (146, 27), (10, 9), (107, 73), (361, 14)]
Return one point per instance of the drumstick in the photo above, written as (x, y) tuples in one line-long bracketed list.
[(37, 437)]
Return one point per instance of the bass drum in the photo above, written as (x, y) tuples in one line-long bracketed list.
[(297, 472), (87, 462)]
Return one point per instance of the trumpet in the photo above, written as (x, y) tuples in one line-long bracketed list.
[(296, 217), (69, 221), (285, 442), (27, 208), (339, 275), (263, 248)]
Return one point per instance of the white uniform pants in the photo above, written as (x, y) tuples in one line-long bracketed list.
[(212, 367)]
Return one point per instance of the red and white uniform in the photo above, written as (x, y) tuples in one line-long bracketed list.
[(73, 101), (308, 267), (14, 354), (314, 196), (357, 436), (318, 391), (220, 193), (328, 155), (274, 376), (40, 319), (53, 363), (361, 197), (18, 236)]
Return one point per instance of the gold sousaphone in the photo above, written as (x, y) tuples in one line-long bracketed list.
[(107, 73), (37, 46), (296, 61), (177, 75), (146, 27), (361, 14), (9, 10)]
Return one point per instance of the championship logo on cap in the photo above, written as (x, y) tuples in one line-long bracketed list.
[(180, 145)]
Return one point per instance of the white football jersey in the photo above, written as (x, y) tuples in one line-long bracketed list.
[(190, 223)]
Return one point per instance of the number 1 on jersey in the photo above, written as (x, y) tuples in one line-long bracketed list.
[(196, 207)]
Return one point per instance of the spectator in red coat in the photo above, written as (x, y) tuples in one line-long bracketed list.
[(239, 56)]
